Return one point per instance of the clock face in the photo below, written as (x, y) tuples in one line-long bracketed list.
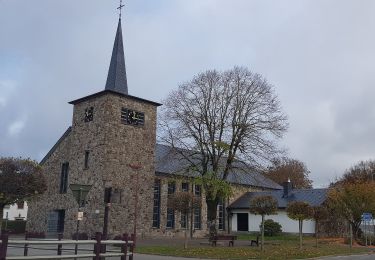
[(131, 117), (89, 114)]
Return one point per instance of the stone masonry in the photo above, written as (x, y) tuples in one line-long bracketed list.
[(114, 147)]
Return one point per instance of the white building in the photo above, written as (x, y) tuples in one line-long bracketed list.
[(243, 220), (16, 211)]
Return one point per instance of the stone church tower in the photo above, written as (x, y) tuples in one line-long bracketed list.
[(111, 144)]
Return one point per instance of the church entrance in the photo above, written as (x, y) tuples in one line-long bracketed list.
[(55, 222), (242, 222)]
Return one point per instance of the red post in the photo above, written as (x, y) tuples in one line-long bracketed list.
[(132, 238), (97, 246), (26, 247), (4, 244), (59, 246), (124, 247)]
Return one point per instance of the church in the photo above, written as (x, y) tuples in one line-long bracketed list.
[(110, 151)]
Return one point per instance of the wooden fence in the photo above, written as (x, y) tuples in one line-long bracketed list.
[(126, 246)]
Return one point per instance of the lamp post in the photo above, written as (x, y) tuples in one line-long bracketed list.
[(80, 192)]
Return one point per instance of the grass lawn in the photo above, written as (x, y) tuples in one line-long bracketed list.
[(283, 247)]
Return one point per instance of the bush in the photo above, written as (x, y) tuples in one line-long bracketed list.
[(14, 226), (271, 228)]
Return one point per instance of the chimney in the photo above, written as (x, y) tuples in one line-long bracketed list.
[(287, 188)]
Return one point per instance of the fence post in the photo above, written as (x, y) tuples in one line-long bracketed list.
[(132, 238), (124, 247), (97, 246), (4, 244), (26, 247), (59, 246)]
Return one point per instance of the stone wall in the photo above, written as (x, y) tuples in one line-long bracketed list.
[(114, 147)]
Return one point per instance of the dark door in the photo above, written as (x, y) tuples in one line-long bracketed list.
[(56, 221), (242, 222)]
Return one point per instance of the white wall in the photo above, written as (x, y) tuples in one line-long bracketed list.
[(288, 225), (13, 211)]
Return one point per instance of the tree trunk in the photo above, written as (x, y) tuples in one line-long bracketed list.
[(191, 214), (300, 233), (186, 239), (211, 217), (351, 234), (262, 242), (316, 233), (1, 216)]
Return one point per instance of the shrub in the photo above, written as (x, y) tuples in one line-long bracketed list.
[(271, 228), (15, 226)]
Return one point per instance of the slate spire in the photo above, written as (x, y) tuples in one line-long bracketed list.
[(116, 79)]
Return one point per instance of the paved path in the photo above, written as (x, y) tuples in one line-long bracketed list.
[(355, 257)]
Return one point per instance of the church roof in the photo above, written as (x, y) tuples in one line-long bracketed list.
[(171, 162), (116, 79), (314, 197), (103, 92)]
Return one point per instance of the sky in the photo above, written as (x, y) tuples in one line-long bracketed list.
[(319, 55)]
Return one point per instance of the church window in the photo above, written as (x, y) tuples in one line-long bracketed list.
[(184, 217), (185, 186), (156, 208), (197, 218), (221, 215), (87, 154), (170, 211), (64, 177), (198, 190)]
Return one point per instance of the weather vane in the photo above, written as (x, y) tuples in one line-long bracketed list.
[(120, 8)]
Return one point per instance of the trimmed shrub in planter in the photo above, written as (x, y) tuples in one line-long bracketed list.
[(271, 228)]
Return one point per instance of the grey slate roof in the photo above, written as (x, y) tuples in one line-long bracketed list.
[(103, 92), (116, 79), (170, 162), (314, 197)]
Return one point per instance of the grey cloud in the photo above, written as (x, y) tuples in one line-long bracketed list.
[(318, 54)]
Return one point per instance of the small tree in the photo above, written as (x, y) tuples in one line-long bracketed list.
[(20, 179), (299, 210), (284, 168), (263, 205), (185, 203), (351, 200), (319, 214)]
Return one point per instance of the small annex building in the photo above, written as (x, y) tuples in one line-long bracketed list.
[(111, 148), (244, 221)]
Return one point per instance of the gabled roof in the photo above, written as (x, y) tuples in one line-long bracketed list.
[(171, 162), (65, 134), (116, 79), (103, 92), (314, 197)]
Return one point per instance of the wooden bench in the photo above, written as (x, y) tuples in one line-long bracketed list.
[(229, 238), (255, 242)]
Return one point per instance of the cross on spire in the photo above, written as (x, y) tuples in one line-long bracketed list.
[(120, 8)]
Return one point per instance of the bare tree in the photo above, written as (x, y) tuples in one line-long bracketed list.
[(296, 171), (219, 119)]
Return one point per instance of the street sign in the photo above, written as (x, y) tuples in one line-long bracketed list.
[(366, 216), (80, 215)]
